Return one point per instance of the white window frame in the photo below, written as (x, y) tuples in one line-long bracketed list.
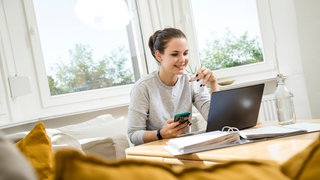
[(248, 73), (5, 53), (4, 116), (105, 98)]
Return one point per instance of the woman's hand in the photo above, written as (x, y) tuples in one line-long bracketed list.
[(206, 76), (173, 129)]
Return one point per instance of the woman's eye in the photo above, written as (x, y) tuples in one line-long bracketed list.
[(186, 53), (174, 54)]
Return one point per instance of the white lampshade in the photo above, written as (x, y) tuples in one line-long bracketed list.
[(103, 14)]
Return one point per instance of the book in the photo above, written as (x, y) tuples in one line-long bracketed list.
[(230, 136), (202, 142)]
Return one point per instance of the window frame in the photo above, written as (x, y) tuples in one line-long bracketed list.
[(4, 116), (247, 73), (108, 97), (5, 53)]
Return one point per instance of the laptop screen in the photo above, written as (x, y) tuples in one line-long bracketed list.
[(237, 107)]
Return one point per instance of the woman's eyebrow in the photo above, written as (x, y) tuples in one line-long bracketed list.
[(176, 51)]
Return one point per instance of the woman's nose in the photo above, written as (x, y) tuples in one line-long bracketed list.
[(182, 58)]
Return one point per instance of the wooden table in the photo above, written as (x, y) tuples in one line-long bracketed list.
[(280, 150)]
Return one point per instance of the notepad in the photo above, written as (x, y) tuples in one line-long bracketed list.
[(277, 131), (232, 136), (269, 131)]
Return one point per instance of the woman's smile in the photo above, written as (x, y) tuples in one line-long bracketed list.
[(181, 66)]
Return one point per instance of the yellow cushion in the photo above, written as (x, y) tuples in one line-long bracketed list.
[(71, 164), (36, 146), (306, 164)]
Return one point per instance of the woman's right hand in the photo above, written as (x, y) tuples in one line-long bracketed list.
[(173, 129)]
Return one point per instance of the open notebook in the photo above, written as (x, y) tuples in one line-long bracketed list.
[(231, 137)]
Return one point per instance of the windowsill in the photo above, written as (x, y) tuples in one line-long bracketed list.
[(248, 80), (240, 81)]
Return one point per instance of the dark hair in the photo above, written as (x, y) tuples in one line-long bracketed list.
[(159, 39)]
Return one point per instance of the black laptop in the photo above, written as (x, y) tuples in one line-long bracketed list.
[(237, 108)]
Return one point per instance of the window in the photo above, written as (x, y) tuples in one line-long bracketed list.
[(82, 51), (80, 48), (229, 37)]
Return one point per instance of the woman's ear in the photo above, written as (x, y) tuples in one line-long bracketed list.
[(158, 56)]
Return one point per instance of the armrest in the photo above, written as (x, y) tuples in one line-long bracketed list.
[(107, 147)]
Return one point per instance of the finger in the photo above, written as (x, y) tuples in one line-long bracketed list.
[(184, 128), (194, 77), (200, 74), (176, 124), (170, 121), (183, 125)]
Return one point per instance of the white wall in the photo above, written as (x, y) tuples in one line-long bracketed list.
[(297, 26), (308, 22), (289, 53)]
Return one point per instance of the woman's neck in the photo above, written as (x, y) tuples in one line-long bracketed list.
[(168, 78)]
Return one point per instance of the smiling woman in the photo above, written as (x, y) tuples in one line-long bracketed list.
[(156, 98)]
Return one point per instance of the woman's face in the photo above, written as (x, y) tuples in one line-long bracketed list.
[(174, 60)]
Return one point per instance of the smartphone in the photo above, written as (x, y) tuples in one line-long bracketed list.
[(182, 117)]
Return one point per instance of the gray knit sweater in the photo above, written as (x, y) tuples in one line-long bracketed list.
[(152, 103)]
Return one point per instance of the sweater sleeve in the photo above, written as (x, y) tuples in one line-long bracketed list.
[(137, 114), (201, 100)]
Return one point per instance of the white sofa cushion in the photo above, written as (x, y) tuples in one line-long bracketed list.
[(58, 139), (62, 140), (104, 136), (101, 126), (107, 147), (99, 146)]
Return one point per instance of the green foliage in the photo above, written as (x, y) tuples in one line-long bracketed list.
[(231, 51), (82, 73)]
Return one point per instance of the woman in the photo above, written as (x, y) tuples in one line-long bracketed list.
[(156, 98)]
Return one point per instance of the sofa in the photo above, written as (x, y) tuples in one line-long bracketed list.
[(44, 153), (103, 136)]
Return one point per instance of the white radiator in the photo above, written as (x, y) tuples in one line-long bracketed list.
[(268, 111)]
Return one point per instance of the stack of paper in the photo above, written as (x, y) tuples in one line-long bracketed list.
[(201, 142)]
